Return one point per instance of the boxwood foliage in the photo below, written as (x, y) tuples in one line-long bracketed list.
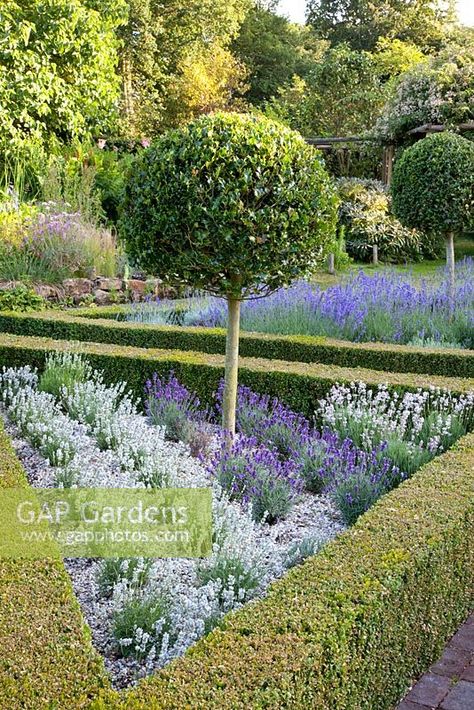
[(298, 384), (292, 348), (352, 626), (46, 659)]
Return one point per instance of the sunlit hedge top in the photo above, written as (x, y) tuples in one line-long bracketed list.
[(232, 203), (433, 184)]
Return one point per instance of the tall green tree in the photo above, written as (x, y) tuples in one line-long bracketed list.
[(159, 40), (273, 49), (433, 190), (58, 62), (361, 23), (341, 95), (234, 204)]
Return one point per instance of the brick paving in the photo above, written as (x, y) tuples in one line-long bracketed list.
[(449, 683)]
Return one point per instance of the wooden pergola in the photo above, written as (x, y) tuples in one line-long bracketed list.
[(326, 144)]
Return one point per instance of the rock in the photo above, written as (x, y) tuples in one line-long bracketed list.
[(105, 284), (8, 285), (101, 297), (49, 293), (77, 288), (136, 285), (136, 289)]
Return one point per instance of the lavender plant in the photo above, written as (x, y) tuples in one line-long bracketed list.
[(140, 624), (135, 571), (62, 371), (415, 426), (254, 475), (172, 406), (362, 483), (268, 420), (13, 380), (386, 306), (230, 572)]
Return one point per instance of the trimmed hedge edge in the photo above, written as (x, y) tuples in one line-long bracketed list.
[(354, 625), (47, 659), (92, 327), (300, 385)]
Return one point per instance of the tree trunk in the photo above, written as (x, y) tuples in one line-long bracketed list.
[(127, 89), (331, 269), (375, 255), (231, 365), (450, 265)]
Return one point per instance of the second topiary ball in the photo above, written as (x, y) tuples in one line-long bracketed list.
[(433, 189)]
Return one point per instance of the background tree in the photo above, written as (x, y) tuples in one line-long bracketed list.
[(361, 23), (438, 90), (233, 204), (341, 95), (58, 61), (433, 189), (213, 80), (160, 41), (393, 57), (141, 68), (273, 50)]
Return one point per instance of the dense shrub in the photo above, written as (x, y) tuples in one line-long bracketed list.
[(437, 90), (298, 385), (428, 357), (365, 215), (433, 190)]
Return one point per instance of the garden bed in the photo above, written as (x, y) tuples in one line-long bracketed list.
[(290, 659), (99, 442), (391, 591)]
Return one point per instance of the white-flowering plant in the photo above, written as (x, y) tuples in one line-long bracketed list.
[(14, 379), (415, 425)]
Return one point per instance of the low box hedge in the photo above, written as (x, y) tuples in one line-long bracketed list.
[(350, 628), (80, 325), (300, 385), (46, 656)]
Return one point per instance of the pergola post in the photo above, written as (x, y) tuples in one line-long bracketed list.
[(387, 167)]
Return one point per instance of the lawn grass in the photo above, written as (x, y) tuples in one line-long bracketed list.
[(464, 247)]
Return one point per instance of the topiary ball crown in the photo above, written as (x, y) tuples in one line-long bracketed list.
[(235, 204), (433, 184)]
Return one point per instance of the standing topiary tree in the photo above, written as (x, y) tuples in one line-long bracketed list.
[(433, 189), (233, 204)]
